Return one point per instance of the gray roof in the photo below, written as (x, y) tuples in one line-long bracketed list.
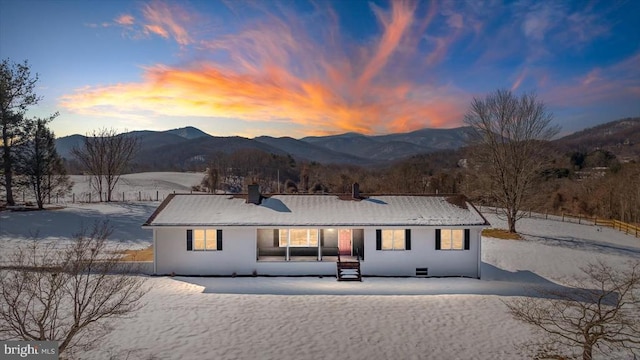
[(313, 210)]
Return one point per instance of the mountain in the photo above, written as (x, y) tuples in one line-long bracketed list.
[(393, 146), (435, 139), (188, 132), (185, 147), (620, 137), (306, 151), (65, 144), (188, 148)]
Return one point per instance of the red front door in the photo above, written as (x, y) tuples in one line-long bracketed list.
[(344, 242)]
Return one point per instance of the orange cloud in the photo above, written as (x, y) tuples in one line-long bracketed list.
[(277, 71), (125, 20)]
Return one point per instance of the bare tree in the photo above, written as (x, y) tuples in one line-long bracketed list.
[(105, 155), (510, 129), (16, 96), (601, 315), (119, 152), (211, 179), (91, 158), (70, 295)]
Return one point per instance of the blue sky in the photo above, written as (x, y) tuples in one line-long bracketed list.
[(297, 68)]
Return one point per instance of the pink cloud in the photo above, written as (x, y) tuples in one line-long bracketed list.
[(166, 20), (600, 85), (125, 20)]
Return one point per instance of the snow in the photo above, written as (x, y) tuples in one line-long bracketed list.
[(312, 318), (320, 210)]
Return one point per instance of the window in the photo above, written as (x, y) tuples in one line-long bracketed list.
[(298, 237), (452, 239), (204, 239), (393, 239)]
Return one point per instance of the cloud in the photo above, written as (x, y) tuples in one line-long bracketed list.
[(163, 19), (516, 84), (601, 85), (277, 70), (125, 20)]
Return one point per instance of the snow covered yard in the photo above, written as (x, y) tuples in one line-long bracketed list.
[(312, 318)]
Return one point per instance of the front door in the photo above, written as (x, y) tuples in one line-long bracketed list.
[(344, 242)]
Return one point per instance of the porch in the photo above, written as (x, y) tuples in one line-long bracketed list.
[(309, 245)]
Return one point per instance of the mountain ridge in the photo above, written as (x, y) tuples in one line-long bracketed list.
[(184, 147)]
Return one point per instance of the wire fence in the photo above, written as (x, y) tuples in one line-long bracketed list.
[(116, 196)]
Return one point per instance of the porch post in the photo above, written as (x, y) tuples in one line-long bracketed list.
[(319, 245), (155, 253), (288, 242)]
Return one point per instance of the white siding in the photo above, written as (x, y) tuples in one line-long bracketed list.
[(238, 253), (239, 256), (422, 255)]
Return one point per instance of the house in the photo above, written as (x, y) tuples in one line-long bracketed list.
[(304, 234)]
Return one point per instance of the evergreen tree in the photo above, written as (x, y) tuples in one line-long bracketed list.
[(40, 163), (16, 95)]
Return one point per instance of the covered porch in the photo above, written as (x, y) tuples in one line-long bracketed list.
[(309, 245)]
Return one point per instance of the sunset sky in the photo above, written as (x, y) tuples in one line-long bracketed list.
[(297, 68)]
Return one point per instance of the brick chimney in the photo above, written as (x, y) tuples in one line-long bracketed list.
[(355, 191), (254, 194)]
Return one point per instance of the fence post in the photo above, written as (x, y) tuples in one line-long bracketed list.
[(157, 193), (73, 198), (56, 198), (89, 197), (139, 195)]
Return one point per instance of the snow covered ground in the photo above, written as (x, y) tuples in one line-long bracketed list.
[(320, 318)]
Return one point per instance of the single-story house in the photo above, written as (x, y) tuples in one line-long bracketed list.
[(308, 234)]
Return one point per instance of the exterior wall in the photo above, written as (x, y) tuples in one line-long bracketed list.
[(422, 255), (238, 256), (238, 253)]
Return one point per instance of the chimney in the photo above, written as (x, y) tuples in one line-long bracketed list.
[(355, 191), (254, 194)]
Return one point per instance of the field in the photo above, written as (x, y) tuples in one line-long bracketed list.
[(317, 318)]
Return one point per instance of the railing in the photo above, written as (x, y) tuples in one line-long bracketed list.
[(627, 228), (348, 270)]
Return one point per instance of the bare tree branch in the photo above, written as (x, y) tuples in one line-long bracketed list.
[(601, 315), (69, 295)]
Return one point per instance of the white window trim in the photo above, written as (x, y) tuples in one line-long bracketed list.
[(193, 240), (404, 235), (309, 237), (451, 232)]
